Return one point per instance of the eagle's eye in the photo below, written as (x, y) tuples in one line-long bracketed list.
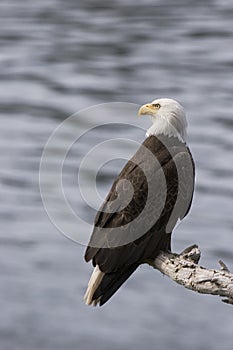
[(156, 105)]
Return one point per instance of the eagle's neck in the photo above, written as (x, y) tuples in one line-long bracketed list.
[(161, 126)]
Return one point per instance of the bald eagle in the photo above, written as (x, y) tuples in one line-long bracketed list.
[(161, 174)]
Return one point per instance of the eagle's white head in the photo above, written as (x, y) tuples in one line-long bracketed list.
[(168, 118)]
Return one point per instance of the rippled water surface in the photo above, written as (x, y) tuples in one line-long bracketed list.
[(56, 58)]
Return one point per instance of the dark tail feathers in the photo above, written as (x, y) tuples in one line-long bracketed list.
[(111, 282)]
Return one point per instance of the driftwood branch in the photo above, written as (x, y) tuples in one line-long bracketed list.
[(184, 269)]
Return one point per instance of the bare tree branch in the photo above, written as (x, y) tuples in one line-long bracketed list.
[(184, 269)]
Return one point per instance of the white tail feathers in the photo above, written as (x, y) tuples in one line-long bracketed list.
[(93, 284)]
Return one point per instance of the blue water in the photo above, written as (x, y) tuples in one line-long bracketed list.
[(60, 57)]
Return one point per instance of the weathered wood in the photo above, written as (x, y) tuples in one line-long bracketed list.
[(183, 268)]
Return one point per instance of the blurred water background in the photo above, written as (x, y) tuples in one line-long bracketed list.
[(56, 58)]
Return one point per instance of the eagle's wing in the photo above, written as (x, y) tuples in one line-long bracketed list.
[(114, 264), (184, 164), (111, 251)]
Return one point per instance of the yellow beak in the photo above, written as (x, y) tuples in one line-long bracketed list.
[(148, 109)]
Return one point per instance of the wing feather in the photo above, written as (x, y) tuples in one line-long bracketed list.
[(176, 164)]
